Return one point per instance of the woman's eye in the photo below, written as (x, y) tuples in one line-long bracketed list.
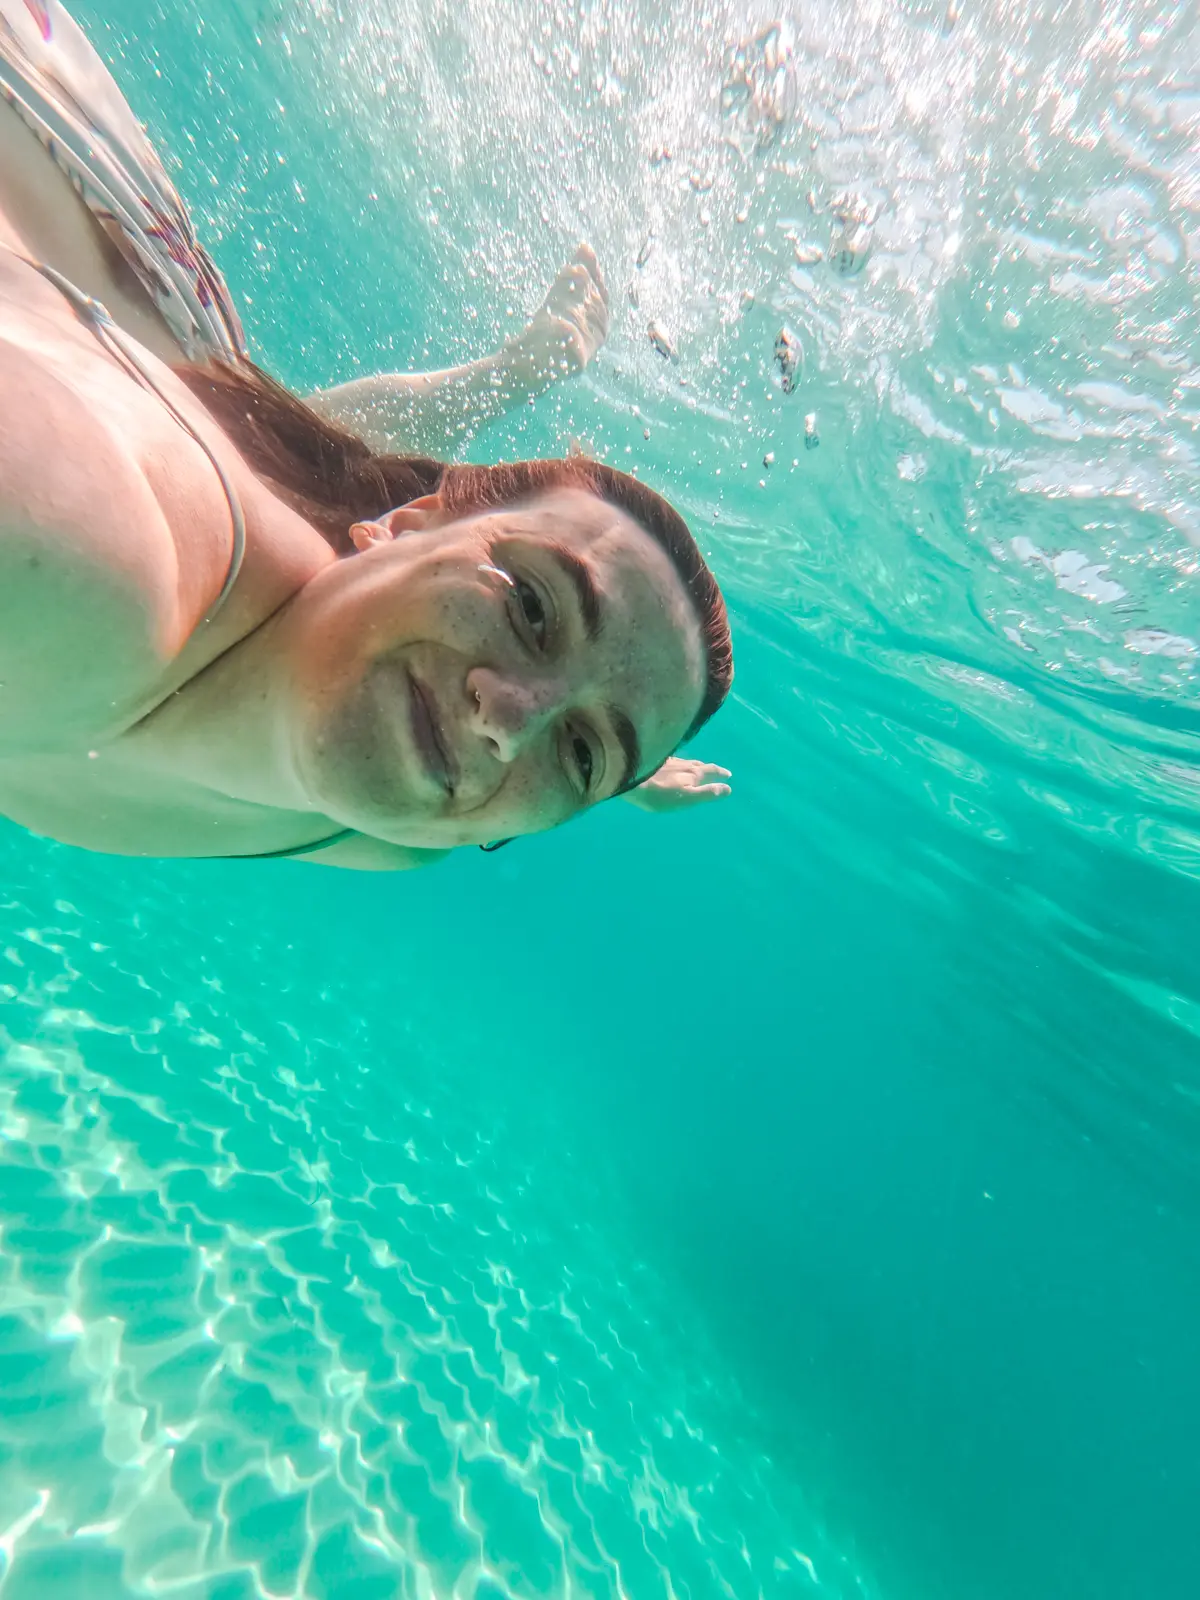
[(582, 751), (532, 609)]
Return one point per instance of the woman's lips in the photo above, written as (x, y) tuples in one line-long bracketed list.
[(428, 737)]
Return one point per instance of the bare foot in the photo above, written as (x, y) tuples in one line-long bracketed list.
[(567, 329)]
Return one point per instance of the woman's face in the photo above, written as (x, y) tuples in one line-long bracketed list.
[(491, 674)]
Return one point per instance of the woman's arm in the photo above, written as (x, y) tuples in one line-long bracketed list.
[(425, 411)]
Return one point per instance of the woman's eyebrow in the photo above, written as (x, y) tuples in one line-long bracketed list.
[(579, 575), (630, 747)]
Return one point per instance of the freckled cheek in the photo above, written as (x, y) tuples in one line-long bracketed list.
[(461, 621), (550, 799), (529, 801)]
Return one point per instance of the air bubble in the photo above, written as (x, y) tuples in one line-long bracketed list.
[(849, 248), (788, 358), (662, 341)]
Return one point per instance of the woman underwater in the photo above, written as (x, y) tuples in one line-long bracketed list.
[(230, 627)]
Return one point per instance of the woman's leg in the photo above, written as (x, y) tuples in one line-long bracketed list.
[(428, 412)]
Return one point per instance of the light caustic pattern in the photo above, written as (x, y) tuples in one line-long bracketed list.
[(312, 1330), (979, 226)]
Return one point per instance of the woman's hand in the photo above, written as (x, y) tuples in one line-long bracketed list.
[(680, 783), (567, 329)]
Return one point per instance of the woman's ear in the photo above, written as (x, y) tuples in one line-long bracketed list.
[(414, 517)]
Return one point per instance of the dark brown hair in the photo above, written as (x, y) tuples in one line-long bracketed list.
[(334, 480)]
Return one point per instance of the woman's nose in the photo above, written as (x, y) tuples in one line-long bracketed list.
[(508, 712)]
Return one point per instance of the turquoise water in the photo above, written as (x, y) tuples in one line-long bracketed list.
[(795, 1198)]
